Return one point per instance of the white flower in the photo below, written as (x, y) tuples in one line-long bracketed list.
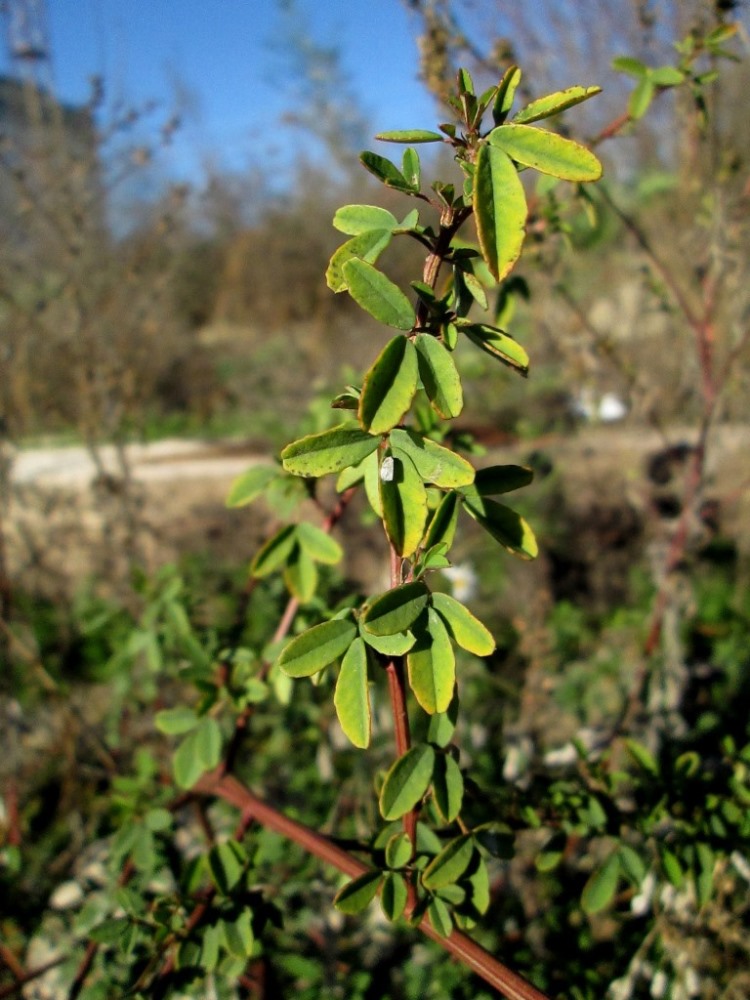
[(463, 580)]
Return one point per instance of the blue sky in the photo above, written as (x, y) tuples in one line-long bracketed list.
[(226, 58)]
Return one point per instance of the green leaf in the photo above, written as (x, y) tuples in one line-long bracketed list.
[(632, 864), (378, 295), (434, 463), (463, 627), (450, 864), (398, 851), (506, 527), (365, 246), (633, 67), (672, 867), (396, 610), (553, 104), (505, 93), (640, 99), (500, 479), (442, 725), (200, 751), (440, 917), (439, 375), (498, 344), (393, 896), (601, 885), (175, 721), (275, 553), (385, 171), (301, 576), (356, 219), (250, 485), (390, 645), (479, 881), (431, 664), (412, 169), (314, 649), (226, 862), (352, 698), (410, 135), (329, 451), (318, 544), (359, 893), (666, 76), (547, 152), (443, 524), (552, 853), (499, 209), (407, 781), (238, 934), (448, 787), (703, 876), (404, 501), (389, 387), (642, 756)]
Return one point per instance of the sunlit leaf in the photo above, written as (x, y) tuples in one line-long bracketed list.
[(666, 76), (463, 627), (450, 864), (547, 152), (359, 893), (553, 104), (439, 375), (389, 387), (499, 209), (318, 544), (447, 786), (329, 451), (601, 885), (442, 527), (301, 575), (440, 917), (351, 698), (176, 721), (251, 484), (404, 502), (226, 862), (396, 610), (365, 246), (199, 752), (356, 219), (505, 93), (390, 645), (641, 97), (385, 171), (498, 344), (434, 463), (398, 850), (431, 664), (378, 295), (275, 552), (407, 781), (506, 527), (393, 896), (633, 67), (442, 725), (314, 649), (410, 135)]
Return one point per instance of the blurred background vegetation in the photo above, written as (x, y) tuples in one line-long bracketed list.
[(203, 312)]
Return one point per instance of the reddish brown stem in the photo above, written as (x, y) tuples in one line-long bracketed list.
[(27, 977), (471, 954)]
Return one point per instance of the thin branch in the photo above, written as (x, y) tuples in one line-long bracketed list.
[(467, 951)]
